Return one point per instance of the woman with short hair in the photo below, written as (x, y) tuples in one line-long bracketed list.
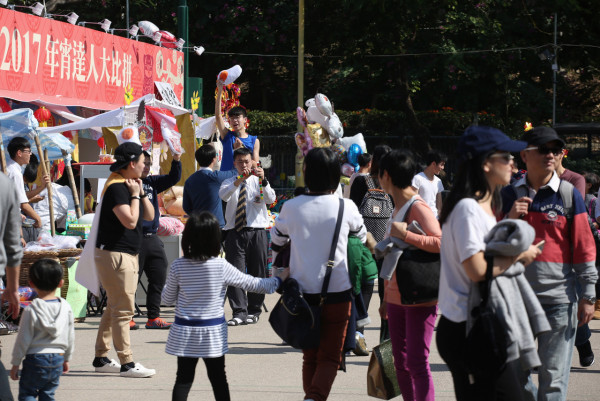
[(308, 221), (411, 326)]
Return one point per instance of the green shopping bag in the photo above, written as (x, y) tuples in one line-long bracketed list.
[(381, 375)]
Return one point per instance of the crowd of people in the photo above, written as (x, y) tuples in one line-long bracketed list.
[(542, 288)]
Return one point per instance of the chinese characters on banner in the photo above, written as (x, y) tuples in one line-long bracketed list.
[(56, 62)]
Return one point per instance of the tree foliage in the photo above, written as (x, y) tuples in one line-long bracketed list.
[(410, 56)]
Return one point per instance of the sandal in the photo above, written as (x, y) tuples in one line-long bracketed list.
[(236, 321), (252, 319)]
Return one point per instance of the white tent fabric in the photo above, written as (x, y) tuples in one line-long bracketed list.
[(114, 118)]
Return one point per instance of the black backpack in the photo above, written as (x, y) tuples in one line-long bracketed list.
[(376, 209)]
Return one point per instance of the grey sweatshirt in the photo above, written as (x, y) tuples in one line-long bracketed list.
[(511, 296), (46, 328), (10, 225)]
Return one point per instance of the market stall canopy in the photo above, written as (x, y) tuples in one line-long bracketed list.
[(114, 118), (22, 123)]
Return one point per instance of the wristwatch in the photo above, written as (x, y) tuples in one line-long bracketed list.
[(589, 300)]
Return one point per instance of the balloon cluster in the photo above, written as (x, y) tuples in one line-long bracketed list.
[(323, 128)]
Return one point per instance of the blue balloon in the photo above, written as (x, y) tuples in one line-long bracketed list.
[(353, 152)]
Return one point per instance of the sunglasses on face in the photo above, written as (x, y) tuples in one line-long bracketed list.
[(505, 156), (544, 150)]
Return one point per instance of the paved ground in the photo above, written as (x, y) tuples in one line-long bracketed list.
[(258, 367)]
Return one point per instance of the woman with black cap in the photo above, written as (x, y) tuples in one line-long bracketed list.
[(123, 206)]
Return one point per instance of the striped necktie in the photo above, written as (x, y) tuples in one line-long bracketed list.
[(240, 211)]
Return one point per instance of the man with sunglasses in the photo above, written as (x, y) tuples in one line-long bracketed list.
[(582, 338), (556, 211)]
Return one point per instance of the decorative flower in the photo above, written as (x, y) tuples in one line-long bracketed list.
[(195, 100), (528, 126), (128, 94)]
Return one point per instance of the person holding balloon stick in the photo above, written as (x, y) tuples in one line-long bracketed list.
[(236, 137)]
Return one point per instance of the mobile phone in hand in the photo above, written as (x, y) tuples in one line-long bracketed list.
[(541, 244)]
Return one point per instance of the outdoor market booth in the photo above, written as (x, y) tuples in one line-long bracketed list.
[(70, 75)]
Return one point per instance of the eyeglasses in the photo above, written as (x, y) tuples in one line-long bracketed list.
[(544, 150), (507, 157)]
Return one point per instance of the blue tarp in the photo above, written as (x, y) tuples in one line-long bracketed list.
[(22, 123)]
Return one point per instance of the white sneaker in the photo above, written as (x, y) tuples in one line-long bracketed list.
[(112, 367), (138, 371)]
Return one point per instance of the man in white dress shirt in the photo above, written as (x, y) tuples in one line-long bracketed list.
[(247, 197)]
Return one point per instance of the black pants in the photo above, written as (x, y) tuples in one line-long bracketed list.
[(186, 370), (451, 344), (367, 293), (153, 261), (384, 331), (246, 250)]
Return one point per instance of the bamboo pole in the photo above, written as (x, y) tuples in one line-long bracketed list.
[(2, 156), (50, 195), (72, 185), (49, 185)]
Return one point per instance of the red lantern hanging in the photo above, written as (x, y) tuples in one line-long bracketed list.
[(44, 117)]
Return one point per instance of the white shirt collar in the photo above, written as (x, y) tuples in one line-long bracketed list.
[(553, 184), (205, 168)]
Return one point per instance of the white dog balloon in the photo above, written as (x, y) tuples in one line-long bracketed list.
[(334, 127), (314, 116), (324, 105)]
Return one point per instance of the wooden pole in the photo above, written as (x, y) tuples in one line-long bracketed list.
[(2, 156), (49, 185), (50, 194), (72, 185)]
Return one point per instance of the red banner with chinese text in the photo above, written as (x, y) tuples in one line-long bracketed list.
[(60, 63)]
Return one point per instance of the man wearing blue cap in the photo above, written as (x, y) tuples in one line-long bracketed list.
[(557, 212)]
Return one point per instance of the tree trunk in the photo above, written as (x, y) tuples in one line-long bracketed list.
[(420, 133)]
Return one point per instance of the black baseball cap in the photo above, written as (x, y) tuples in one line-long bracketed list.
[(125, 153), (541, 136), (478, 140)]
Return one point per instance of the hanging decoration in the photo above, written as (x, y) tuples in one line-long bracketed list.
[(44, 117)]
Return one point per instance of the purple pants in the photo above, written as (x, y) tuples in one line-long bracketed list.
[(411, 331)]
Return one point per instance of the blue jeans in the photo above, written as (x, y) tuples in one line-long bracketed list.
[(555, 349), (40, 376)]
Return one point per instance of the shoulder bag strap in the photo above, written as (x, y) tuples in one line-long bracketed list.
[(336, 234), (370, 183), (412, 202)]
